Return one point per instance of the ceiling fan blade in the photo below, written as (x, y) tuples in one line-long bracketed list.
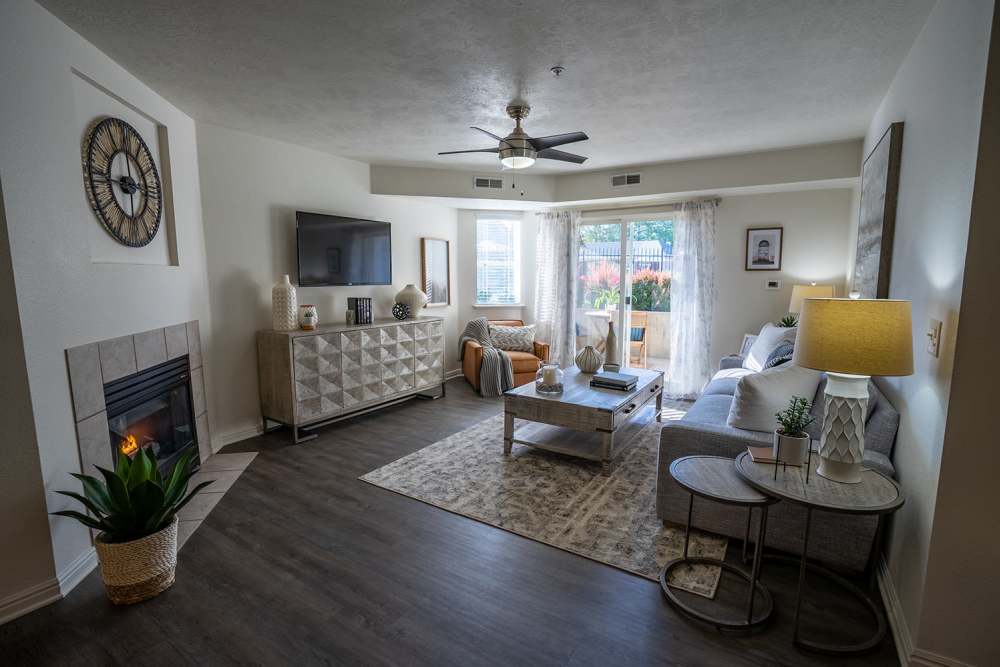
[(486, 133), (541, 143), (477, 150), (553, 154)]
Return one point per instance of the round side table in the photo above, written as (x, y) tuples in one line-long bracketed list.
[(876, 494), (714, 478)]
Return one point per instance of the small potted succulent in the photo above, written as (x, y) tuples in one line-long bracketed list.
[(791, 442), (136, 511), (788, 321)]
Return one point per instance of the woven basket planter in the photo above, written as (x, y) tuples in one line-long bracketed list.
[(141, 569)]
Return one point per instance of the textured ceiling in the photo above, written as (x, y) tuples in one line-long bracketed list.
[(394, 82)]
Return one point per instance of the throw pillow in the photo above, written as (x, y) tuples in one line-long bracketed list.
[(759, 396), (769, 338), (779, 355), (513, 339)]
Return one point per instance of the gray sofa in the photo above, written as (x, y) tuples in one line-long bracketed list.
[(840, 541)]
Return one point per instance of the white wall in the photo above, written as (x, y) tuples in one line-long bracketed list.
[(962, 578), (938, 93), (252, 188), (63, 297), (466, 266), (816, 225), (816, 234)]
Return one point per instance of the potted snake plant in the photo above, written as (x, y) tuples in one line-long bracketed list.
[(791, 441), (135, 510)]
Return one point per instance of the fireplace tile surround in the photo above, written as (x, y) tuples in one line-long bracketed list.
[(94, 364)]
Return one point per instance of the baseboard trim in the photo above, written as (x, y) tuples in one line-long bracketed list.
[(77, 571), (220, 441), (894, 611), (28, 600), (909, 655), (922, 658), (451, 375)]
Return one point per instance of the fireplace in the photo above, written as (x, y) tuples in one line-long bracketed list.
[(153, 409)]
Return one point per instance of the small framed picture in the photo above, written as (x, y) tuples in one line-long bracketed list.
[(764, 249)]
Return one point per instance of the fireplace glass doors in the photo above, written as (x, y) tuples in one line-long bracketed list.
[(153, 410)]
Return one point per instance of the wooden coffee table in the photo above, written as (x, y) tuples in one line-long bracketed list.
[(582, 421)]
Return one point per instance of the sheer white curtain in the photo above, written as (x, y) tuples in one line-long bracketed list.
[(555, 283), (692, 296)]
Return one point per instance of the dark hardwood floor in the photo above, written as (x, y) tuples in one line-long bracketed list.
[(301, 563)]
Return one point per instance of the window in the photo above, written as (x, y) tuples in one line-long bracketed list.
[(498, 260)]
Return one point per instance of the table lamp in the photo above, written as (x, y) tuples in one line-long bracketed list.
[(810, 291), (851, 339)]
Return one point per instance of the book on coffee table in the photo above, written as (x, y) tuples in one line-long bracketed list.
[(619, 381)]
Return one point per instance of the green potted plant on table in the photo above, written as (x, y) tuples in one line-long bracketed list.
[(791, 442), (136, 511)]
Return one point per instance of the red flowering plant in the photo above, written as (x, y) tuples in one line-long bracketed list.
[(651, 291), (600, 286)]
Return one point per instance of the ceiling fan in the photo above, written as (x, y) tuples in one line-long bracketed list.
[(517, 150)]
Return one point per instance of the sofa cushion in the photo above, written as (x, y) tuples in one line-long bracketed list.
[(770, 337), (709, 409), (523, 362), (759, 396), (513, 338), (724, 382)]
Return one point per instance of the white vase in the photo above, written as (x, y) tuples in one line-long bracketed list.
[(284, 306), (612, 360), (413, 298), (589, 360)]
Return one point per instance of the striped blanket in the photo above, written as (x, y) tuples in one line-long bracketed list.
[(496, 375)]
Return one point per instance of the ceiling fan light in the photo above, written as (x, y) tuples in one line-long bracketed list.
[(517, 161)]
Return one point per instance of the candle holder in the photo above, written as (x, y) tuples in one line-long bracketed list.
[(549, 379)]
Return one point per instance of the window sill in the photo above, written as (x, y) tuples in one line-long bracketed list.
[(498, 305)]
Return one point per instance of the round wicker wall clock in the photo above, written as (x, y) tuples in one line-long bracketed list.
[(122, 182)]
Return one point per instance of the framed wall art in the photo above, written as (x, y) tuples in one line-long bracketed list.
[(877, 217), (763, 249)]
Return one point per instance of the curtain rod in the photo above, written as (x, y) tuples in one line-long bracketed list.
[(666, 206)]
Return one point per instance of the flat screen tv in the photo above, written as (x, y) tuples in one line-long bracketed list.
[(335, 250)]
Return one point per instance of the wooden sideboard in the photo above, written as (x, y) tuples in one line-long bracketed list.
[(308, 378)]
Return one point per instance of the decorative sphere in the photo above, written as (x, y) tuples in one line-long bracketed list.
[(400, 311)]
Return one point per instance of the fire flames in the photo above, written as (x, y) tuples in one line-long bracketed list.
[(129, 445)]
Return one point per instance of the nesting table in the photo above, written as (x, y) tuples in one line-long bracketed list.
[(876, 494), (744, 483), (715, 479)]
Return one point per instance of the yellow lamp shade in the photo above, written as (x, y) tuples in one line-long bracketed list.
[(813, 291), (855, 336)]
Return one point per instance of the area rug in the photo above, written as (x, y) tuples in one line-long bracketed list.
[(560, 501)]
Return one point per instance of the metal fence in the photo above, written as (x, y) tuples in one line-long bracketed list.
[(589, 260)]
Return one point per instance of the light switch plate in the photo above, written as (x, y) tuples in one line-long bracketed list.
[(934, 338), (772, 284)]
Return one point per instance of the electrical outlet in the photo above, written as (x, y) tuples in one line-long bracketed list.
[(934, 338)]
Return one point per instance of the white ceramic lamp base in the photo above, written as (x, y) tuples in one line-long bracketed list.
[(842, 442)]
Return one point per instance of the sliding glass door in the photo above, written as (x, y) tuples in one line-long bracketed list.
[(624, 272), (599, 285)]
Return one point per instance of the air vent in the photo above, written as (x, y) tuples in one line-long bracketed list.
[(621, 180), (487, 183)]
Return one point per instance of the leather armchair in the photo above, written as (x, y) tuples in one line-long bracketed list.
[(525, 364)]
